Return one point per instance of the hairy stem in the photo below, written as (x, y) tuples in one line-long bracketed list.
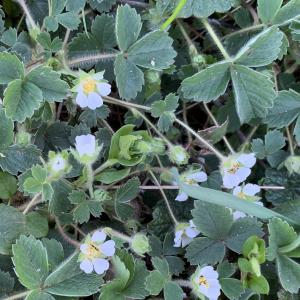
[(175, 13), (116, 101), (93, 58), (290, 140), (90, 180), (164, 197), (17, 296), (31, 21), (117, 234), (215, 38), (33, 202), (65, 236)]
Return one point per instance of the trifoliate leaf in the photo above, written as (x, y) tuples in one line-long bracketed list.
[(274, 141), (153, 51), (287, 13), (8, 185), (164, 110), (267, 10), (49, 45), (6, 130), (41, 76), (254, 93), (128, 26), (208, 84), (31, 262), (130, 78), (12, 225), (69, 281), (11, 68), (204, 8), (285, 110), (21, 99), (262, 49)]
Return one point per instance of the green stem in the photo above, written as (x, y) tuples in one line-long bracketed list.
[(292, 246), (164, 197), (175, 13), (90, 180), (215, 38), (104, 166), (115, 101), (17, 296), (250, 28), (117, 234), (32, 202), (135, 111), (201, 139), (290, 140), (84, 23), (184, 283)]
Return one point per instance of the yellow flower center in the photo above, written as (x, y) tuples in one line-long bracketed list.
[(241, 195), (89, 85), (234, 168), (93, 251), (203, 281)]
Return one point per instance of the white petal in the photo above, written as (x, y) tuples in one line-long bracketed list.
[(181, 197), (198, 176), (236, 190), (238, 215), (100, 265), (191, 232), (104, 88), (85, 144), (86, 266), (84, 248), (94, 101), (230, 180), (242, 173), (186, 240), (248, 160), (209, 273), (81, 100), (251, 189), (108, 248), (98, 236), (177, 238)]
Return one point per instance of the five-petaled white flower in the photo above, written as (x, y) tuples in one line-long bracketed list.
[(236, 168), (205, 281), (191, 179), (94, 253), (184, 234), (90, 89)]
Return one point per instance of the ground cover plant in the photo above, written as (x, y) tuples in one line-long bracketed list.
[(149, 149)]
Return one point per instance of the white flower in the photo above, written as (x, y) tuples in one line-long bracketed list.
[(236, 168), (184, 234), (191, 179), (246, 191), (90, 89), (205, 281), (94, 253), (85, 145)]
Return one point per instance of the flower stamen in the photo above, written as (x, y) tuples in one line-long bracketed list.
[(89, 85)]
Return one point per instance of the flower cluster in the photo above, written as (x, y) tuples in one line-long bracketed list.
[(95, 252), (236, 168), (90, 89)]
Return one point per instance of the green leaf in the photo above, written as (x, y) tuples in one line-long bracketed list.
[(215, 133), (267, 10), (128, 191), (7, 283), (228, 200), (69, 20), (262, 49), (287, 13), (8, 185), (232, 288), (289, 273), (6, 130), (205, 251), (208, 84), (274, 141), (130, 78), (285, 110), (112, 175), (69, 281), (21, 99), (39, 295), (41, 76), (212, 220), (12, 225), (36, 224), (11, 68), (153, 51), (54, 45), (155, 282), (30, 261), (161, 265), (172, 291), (128, 26), (55, 252), (254, 93), (204, 8)]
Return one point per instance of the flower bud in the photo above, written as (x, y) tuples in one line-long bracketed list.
[(140, 244), (58, 164), (178, 155), (292, 163)]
